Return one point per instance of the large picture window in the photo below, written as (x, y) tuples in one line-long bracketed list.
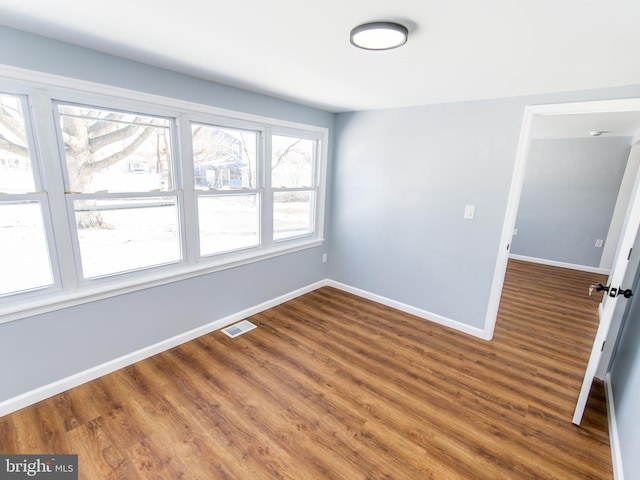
[(111, 194)]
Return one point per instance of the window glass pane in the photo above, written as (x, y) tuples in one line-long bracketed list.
[(115, 151), (223, 158), (228, 223), (292, 162), (16, 175), (292, 214), (23, 248), (127, 234)]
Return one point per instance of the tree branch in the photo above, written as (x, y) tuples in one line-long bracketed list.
[(97, 143), (12, 120), (9, 146), (72, 142), (98, 127), (89, 168), (285, 153)]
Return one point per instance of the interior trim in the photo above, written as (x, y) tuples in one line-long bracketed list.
[(554, 263)]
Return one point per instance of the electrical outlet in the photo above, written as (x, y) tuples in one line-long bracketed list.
[(599, 243), (324, 258), (515, 232)]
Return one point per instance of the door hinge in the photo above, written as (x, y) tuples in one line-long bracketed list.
[(602, 348), (630, 250)]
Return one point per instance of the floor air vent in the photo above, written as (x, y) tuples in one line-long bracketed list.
[(238, 329)]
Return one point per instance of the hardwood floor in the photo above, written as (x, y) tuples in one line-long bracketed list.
[(334, 386)]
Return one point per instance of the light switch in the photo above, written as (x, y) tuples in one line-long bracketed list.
[(469, 211)]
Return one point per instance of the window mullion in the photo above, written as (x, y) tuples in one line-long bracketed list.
[(267, 196), (62, 251), (189, 204)]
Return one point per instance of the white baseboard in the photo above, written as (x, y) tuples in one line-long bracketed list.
[(418, 312), (59, 386), (554, 263), (614, 439)]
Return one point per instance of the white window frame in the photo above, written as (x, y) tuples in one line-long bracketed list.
[(71, 196), (316, 175), (41, 90), (259, 190), (39, 196)]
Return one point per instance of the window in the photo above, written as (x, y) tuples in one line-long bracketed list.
[(24, 249), (120, 188), (114, 193), (293, 179), (227, 185)]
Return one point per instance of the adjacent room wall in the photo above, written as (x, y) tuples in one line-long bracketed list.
[(568, 197), (46, 348)]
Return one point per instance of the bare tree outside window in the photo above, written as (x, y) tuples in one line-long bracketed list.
[(113, 152), (292, 176)]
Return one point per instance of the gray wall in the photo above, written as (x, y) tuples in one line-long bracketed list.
[(569, 193), (402, 178), (625, 384), (42, 349)]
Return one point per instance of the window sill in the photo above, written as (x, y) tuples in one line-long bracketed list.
[(92, 293)]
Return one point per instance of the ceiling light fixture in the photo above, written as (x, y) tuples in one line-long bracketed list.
[(379, 35)]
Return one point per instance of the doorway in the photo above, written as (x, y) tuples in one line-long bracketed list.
[(599, 108), (614, 109)]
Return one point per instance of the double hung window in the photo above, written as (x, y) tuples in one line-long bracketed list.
[(102, 194), (227, 186), (120, 189), (294, 184), (25, 234)]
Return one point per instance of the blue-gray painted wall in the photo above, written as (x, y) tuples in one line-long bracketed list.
[(45, 348), (401, 181), (569, 193)]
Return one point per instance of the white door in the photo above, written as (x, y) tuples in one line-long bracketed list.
[(616, 278)]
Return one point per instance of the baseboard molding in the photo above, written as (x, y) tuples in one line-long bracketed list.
[(418, 312), (59, 386), (554, 263), (614, 439)]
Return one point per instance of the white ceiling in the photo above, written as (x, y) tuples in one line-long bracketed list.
[(299, 50)]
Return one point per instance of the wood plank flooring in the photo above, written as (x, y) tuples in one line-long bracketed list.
[(334, 386)]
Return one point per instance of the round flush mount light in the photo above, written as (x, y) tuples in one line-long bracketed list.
[(379, 35)]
